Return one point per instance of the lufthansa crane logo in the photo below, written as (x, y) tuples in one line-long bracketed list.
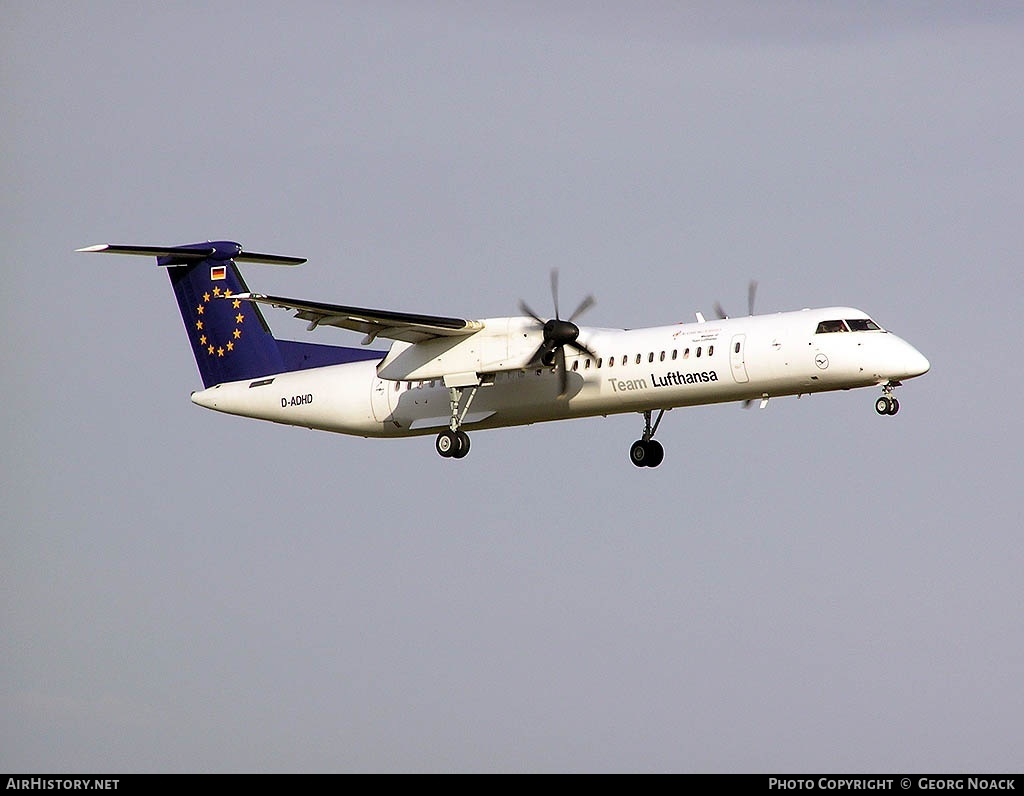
[(821, 361)]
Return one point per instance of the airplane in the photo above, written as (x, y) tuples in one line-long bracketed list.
[(444, 375)]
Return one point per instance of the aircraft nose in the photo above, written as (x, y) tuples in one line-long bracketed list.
[(921, 364), (915, 363)]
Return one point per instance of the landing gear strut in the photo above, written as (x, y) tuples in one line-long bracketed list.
[(887, 404), (453, 442), (648, 452)]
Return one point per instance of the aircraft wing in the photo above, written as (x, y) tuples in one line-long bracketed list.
[(403, 326)]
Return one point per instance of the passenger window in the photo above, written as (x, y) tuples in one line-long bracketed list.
[(599, 361), (638, 357), (674, 353), (698, 350), (586, 364), (650, 357), (736, 348), (711, 350), (686, 353)]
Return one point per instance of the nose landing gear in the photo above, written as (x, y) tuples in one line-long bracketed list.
[(887, 404)]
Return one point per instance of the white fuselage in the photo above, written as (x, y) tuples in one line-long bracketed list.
[(686, 364)]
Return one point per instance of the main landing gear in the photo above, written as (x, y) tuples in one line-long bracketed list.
[(887, 404), (648, 452), (453, 442)]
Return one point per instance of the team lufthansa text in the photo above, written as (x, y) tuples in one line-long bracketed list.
[(60, 783)]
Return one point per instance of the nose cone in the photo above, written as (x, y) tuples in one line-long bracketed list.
[(917, 364), (906, 362)]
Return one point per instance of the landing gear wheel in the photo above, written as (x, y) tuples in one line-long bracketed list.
[(447, 443), (452, 444), (655, 453), (882, 405), (646, 453), (894, 406), (463, 444)]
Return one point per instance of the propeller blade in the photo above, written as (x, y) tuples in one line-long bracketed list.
[(585, 305), (525, 309), (751, 294), (583, 349), (554, 291), (719, 312)]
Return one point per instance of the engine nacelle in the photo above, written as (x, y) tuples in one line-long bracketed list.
[(503, 344)]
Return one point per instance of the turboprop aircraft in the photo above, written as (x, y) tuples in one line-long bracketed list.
[(445, 375)]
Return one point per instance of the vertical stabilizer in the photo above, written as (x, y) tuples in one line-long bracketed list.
[(229, 337)]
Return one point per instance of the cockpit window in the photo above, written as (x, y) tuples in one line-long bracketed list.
[(863, 325), (826, 327)]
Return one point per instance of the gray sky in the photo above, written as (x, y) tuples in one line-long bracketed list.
[(807, 588)]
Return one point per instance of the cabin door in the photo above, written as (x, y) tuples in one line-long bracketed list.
[(739, 367)]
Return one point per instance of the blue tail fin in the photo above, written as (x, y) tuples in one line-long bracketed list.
[(230, 339)]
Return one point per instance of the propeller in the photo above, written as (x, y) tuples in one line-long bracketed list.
[(558, 334), (751, 295)]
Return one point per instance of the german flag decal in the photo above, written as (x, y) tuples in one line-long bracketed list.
[(218, 272)]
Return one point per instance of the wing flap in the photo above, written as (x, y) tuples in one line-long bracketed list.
[(408, 327)]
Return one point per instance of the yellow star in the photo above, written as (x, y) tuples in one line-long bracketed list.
[(216, 291), (202, 339), (236, 303), (239, 318), (199, 325), (237, 333), (199, 309), (206, 296), (230, 346), (227, 293), (220, 352), (210, 350)]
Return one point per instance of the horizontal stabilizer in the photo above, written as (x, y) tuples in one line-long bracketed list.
[(185, 255)]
